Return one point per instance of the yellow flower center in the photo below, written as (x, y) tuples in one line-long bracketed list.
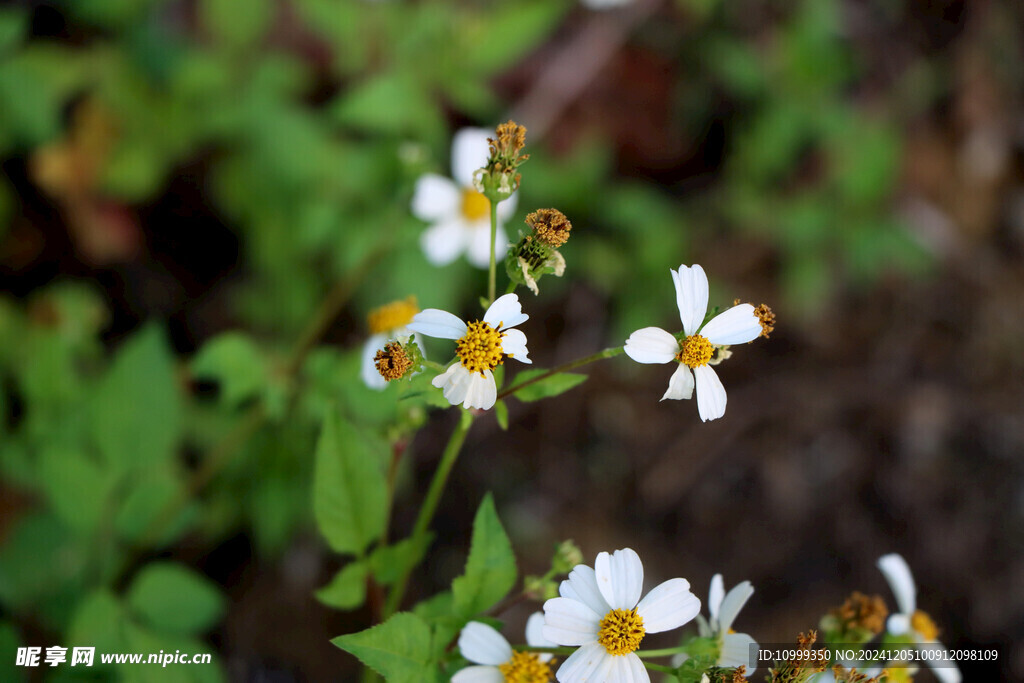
[(474, 205), (525, 667), (480, 349), (621, 631), (695, 351), (923, 624), (392, 316)]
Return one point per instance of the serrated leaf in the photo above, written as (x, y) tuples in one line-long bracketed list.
[(171, 597), (491, 567), (547, 387), (399, 649), (136, 409), (349, 488), (235, 363), (347, 590)]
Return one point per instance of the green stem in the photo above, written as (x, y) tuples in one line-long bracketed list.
[(659, 667), (564, 367), (666, 652), (429, 507), (511, 287), (493, 275)]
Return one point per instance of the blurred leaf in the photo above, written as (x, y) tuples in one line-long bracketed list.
[(147, 500), (134, 171), (235, 363), (136, 410), (9, 643), (349, 490), (389, 104), (237, 24), (498, 39), (77, 488), (111, 13), (39, 560), (172, 597), (387, 561), (98, 622), (547, 387), (347, 590), (399, 649), (491, 567), (501, 415), (13, 26)]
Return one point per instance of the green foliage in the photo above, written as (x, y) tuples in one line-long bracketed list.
[(173, 598), (234, 361), (547, 387), (491, 567), (400, 649), (347, 590)]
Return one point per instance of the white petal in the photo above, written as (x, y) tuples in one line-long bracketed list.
[(733, 603), (454, 383), (582, 585), (507, 207), (680, 385), (591, 664), (710, 394), (715, 596), (434, 322), (535, 635), (478, 251), (736, 652), (898, 624), (651, 345), (469, 152), (691, 296), (481, 644), (628, 669), (620, 578), (901, 581), (943, 668), (570, 622), (444, 241), (435, 198), (367, 367), (483, 391), (738, 325), (505, 312), (479, 674), (514, 346), (669, 605)]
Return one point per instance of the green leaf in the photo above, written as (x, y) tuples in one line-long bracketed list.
[(146, 500), (77, 488), (399, 649), (509, 32), (98, 621), (547, 387), (389, 104), (501, 415), (491, 567), (237, 24), (387, 562), (347, 590), (349, 488), (13, 22), (9, 643), (136, 409), (235, 363), (171, 597)]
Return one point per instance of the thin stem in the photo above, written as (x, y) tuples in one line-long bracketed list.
[(512, 284), (659, 667), (493, 275), (430, 502), (665, 652), (564, 367)]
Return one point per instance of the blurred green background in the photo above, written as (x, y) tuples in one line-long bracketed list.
[(201, 200)]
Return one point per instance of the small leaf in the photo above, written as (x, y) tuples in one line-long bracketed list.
[(13, 23), (347, 590), (547, 387), (235, 24), (77, 488), (387, 562), (170, 597), (98, 621), (234, 362), (399, 649), (349, 488), (491, 566), (501, 414)]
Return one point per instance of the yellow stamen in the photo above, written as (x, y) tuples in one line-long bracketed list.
[(392, 316), (621, 631), (475, 206), (525, 667), (480, 349), (695, 351), (923, 624)]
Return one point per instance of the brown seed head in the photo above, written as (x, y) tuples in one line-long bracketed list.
[(392, 361), (550, 226), (862, 611), (767, 318)]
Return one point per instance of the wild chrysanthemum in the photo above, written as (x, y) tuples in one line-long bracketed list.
[(482, 346), (496, 661), (912, 622), (458, 212), (600, 611), (723, 608), (736, 325), (386, 323)]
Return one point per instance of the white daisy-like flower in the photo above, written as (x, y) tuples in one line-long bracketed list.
[(482, 346), (496, 661), (736, 325), (458, 213), (387, 323), (600, 611), (723, 608), (912, 621)]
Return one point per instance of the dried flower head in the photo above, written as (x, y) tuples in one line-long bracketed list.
[(767, 318), (550, 226), (800, 667), (500, 177), (392, 362), (860, 611)]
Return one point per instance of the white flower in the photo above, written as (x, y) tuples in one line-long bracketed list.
[(497, 661), (912, 621), (736, 325), (481, 347), (458, 213), (387, 323), (601, 612), (723, 608)]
